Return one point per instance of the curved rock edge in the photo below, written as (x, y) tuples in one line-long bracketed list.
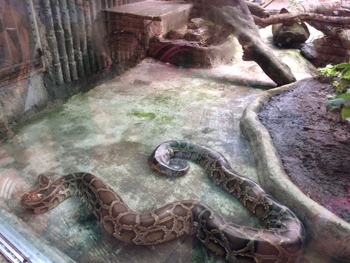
[(326, 232)]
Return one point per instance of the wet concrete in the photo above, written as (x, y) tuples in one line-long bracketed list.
[(111, 130)]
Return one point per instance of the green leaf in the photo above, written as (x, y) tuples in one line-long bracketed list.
[(345, 96), (345, 113), (341, 81), (341, 70), (346, 74), (328, 71), (342, 66), (335, 103), (343, 85)]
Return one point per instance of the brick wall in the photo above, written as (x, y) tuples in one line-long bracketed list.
[(330, 50), (333, 49), (128, 37), (129, 34)]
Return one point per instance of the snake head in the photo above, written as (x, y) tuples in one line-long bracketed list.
[(34, 200), (163, 163)]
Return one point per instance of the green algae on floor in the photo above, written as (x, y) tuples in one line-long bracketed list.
[(141, 115)]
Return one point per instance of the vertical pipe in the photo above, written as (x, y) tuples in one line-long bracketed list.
[(103, 4), (52, 42), (95, 6), (103, 48), (95, 16), (67, 31), (82, 37), (76, 36), (56, 16), (5, 38), (94, 63)]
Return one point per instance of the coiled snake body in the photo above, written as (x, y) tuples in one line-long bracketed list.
[(281, 241)]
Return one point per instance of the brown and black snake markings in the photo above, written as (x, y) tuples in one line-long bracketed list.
[(281, 241)]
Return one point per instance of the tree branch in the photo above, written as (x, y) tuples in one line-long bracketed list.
[(291, 18)]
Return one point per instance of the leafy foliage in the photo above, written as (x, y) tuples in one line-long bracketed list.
[(341, 81)]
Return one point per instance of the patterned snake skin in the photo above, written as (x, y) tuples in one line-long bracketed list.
[(282, 241)]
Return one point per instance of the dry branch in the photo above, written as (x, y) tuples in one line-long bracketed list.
[(291, 18)]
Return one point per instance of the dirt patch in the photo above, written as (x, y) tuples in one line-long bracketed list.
[(314, 145)]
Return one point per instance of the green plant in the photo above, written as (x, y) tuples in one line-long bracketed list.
[(341, 81)]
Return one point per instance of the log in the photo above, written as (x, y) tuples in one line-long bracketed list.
[(257, 10), (271, 65), (235, 18)]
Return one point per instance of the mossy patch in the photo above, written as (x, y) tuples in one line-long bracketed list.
[(163, 99), (166, 119), (203, 96), (141, 115)]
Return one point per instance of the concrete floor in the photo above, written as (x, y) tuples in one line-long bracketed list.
[(111, 130)]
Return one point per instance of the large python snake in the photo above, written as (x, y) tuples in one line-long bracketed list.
[(281, 241)]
